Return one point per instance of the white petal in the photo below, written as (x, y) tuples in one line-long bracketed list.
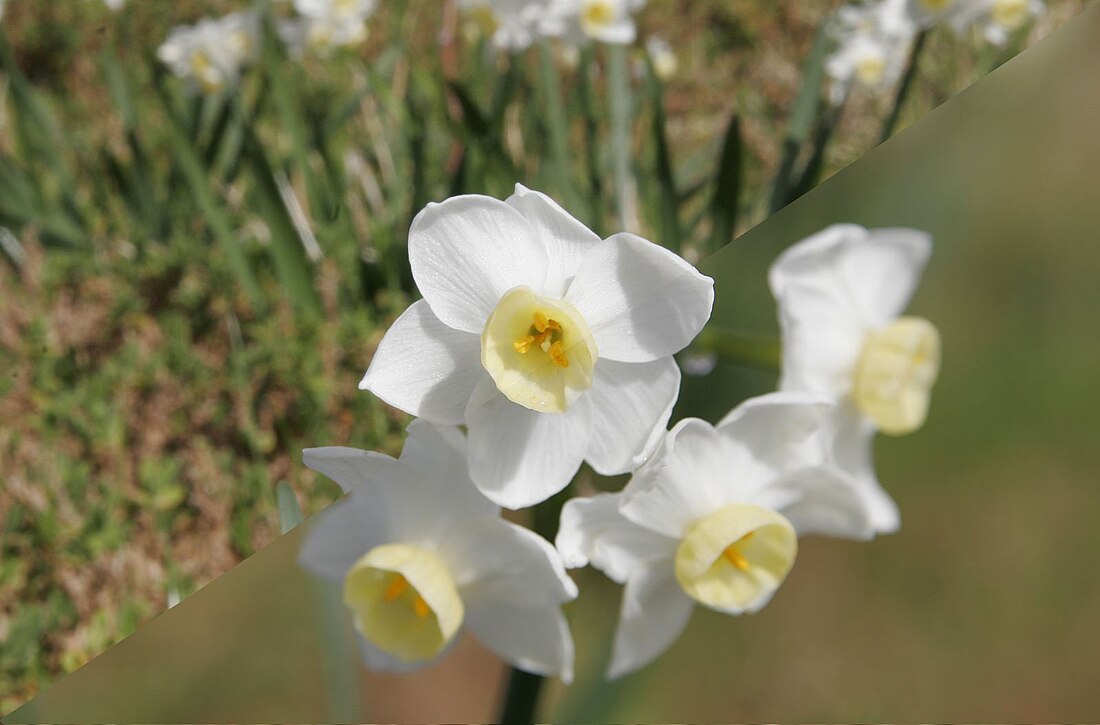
[(533, 639), (424, 367), (687, 479), (821, 341), (873, 273), (820, 500), (655, 611), (429, 493), (494, 560), (351, 468), (519, 457), (621, 31), (467, 251), (631, 404), (854, 449), (641, 301), (340, 535), (780, 432), (566, 239), (593, 530)]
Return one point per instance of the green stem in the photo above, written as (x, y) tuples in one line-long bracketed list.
[(522, 696), (731, 347), (904, 87), (618, 100)]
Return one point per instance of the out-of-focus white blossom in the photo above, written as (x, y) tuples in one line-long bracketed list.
[(872, 43), (661, 56), (331, 23), (840, 295), (210, 54), (512, 24), (997, 19), (580, 21)]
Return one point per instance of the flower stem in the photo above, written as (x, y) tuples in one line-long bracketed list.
[(730, 347), (904, 87), (618, 101), (521, 698)]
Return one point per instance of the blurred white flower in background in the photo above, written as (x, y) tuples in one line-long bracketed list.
[(552, 345), (661, 57), (512, 24), (209, 55), (840, 294), (997, 19), (421, 553), (580, 21), (872, 43), (713, 519), (332, 23)]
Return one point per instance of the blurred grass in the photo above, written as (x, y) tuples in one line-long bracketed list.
[(172, 337)]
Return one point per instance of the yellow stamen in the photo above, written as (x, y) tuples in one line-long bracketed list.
[(541, 322), (736, 558), (557, 354), (421, 607), (524, 343), (396, 588)]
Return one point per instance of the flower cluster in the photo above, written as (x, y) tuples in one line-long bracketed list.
[(516, 24), (211, 54), (551, 347), (873, 38)]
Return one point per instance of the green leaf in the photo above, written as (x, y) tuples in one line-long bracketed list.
[(727, 188), (801, 120), (668, 225), (290, 515)]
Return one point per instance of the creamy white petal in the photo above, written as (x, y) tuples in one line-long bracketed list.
[(533, 639), (467, 251), (494, 560), (687, 479), (777, 432), (351, 468), (872, 273), (429, 493), (424, 367), (631, 404), (621, 31), (593, 530), (819, 500), (821, 341), (641, 301), (566, 239), (654, 612), (340, 535), (853, 449), (519, 457)]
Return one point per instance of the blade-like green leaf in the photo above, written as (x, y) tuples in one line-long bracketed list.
[(727, 188)]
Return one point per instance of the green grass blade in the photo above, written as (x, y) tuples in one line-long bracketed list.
[(210, 205), (668, 203), (620, 107), (800, 124), (290, 514), (727, 188)]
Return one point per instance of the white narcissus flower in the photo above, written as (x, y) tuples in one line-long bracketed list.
[(333, 23), (661, 56), (713, 519), (551, 345), (512, 24), (580, 21), (873, 41), (211, 53), (997, 19), (421, 553), (840, 295)]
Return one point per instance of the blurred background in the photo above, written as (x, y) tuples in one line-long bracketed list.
[(151, 402)]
